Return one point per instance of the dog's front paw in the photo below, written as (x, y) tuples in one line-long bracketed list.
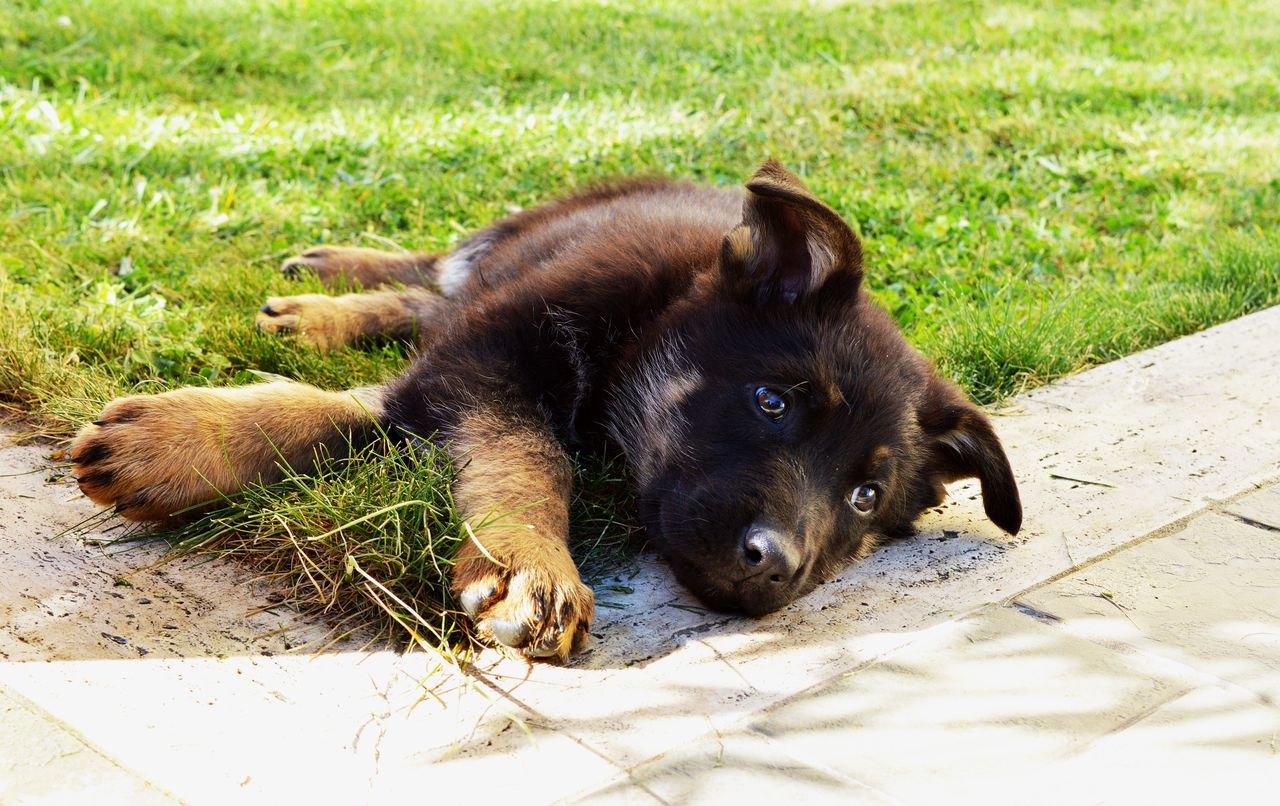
[(541, 609), (316, 319)]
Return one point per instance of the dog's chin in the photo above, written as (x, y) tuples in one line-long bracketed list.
[(706, 579), (728, 596), (742, 599)]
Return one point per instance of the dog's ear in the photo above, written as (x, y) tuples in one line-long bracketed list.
[(962, 445), (789, 244)]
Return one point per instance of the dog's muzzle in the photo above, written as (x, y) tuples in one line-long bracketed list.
[(771, 568)]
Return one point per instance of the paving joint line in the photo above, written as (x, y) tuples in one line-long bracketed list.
[(1208, 505), (552, 724), (813, 765), (1266, 527), (71, 731)]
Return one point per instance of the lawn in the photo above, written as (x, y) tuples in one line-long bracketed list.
[(1040, 186)]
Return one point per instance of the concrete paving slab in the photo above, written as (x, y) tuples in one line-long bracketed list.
[(1215, 744), (1261, 507), (43, 762), (212, 730), (733, 768), (1207, 595), (66, 595), (984, 706)]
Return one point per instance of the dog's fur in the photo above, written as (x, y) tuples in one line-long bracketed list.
[(774, 418)]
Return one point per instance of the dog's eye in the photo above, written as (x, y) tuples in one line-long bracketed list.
[(864, 499), (771, 402)]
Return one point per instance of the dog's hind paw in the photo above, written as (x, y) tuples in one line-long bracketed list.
[(542, 612), (354, 264), (328, 262), (316, 319)]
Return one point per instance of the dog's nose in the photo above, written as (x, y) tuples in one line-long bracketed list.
[(769, 553)]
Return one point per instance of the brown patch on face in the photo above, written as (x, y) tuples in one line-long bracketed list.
[(153, 455), (879, 458), (645, 417), (329, 323), (368, 267), (831, 397), (515, 577)]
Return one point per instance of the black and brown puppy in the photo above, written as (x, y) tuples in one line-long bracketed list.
[(775, 419)]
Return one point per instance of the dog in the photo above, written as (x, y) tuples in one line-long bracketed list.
[(775, 420)]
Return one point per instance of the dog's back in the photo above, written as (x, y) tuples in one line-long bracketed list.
[(643, 225)]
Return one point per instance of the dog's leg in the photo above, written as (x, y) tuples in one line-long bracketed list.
[(332, 322), (153, 455), (515, 577), (369, 267)]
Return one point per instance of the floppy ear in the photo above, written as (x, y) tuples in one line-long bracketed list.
[(789, 244), (963, 445)]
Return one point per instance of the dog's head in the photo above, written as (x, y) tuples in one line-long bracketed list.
[(784, 424)]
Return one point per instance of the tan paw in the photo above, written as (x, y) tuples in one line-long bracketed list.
[(316, 319), (368, 267), (329, 262), (150, 456), (542, 611)]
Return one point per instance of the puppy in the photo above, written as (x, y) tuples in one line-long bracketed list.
[(775, 420)]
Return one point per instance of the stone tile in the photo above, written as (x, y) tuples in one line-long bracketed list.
[(980, 707), (1216, 744), (639, 712), (733, 768), (522, 764), (1205, 596), (169, 718), (63, 596), (366, 719), (42, 762), (1172, 425), (1261, 507)]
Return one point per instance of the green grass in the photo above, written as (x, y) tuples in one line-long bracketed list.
[(368, 541), (1040, 186)]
